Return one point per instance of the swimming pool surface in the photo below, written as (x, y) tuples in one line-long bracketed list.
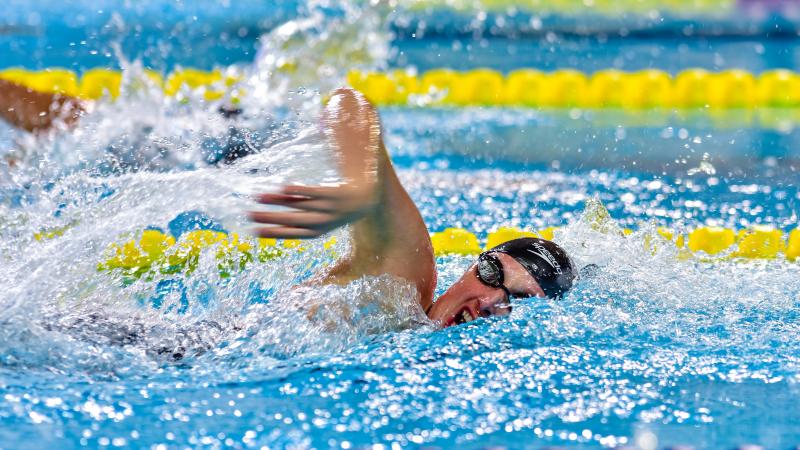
[(655, 349)]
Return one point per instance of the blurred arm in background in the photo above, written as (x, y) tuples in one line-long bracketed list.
[(35, 111)]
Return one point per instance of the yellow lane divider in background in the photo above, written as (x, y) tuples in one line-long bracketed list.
[(647, 89), (156, 252), (690, 89), (99, 82), (759, 242)]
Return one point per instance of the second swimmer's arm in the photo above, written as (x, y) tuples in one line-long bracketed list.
[(35, 111), (389, 235)]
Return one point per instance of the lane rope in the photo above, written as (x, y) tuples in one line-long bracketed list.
[(155, 251), (759, 242), (566, 88)]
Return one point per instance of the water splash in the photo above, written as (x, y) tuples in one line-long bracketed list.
[(142, 159), (704, 167), (308, 57)]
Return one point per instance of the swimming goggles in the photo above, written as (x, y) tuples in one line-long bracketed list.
[(490, 272)]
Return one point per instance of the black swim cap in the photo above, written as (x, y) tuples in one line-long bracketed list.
[(547, 263)]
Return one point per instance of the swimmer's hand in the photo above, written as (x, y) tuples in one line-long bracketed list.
[(319, 209), (353, 128), (388, 235)]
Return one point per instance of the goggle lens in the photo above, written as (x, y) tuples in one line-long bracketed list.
[(490, 271)]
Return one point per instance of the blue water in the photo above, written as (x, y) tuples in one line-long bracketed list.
[(656, 345), (81, 35), (693, 353)]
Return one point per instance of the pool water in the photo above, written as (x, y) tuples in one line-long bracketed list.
[(654, 349), (691, 352)]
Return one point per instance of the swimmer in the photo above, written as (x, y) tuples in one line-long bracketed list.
[(388, 234), (39, 112), (36, 111)]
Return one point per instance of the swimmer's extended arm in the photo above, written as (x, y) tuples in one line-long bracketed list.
[(35, 111), (389, 235)]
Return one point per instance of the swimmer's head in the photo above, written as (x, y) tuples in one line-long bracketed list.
[(527, 267)]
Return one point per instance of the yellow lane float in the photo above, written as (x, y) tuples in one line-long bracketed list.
[(455, 241), (505, 234), (54, 80), (157, 252), (759, 242), (565, 88), (437, 83), (648, 89), (734, 89), (97, 83), (679, 241), (524, 87), (213, 84), (690, 89), (775, 93), (607, 89), (711, 240), (57, 81), (793, 246), (779, 89), (385, 90), (478, 87)]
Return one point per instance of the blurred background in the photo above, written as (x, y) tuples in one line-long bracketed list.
[(589, 35), (690, 80)]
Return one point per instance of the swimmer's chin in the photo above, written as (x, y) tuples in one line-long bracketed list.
[(467, 311)]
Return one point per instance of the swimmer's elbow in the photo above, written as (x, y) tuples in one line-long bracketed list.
[(347, 92), (347, 98), (349, 111)]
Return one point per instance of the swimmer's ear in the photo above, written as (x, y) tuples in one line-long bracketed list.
[(589, 271)]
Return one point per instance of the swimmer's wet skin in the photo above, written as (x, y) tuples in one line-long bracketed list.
[(389, 236), (36, 112), (521, 268)]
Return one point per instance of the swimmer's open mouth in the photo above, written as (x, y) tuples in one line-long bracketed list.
[(461, 317)]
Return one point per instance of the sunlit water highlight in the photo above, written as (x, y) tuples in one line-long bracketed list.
[(693, 351)]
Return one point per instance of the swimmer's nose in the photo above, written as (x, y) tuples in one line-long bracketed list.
[(495, 306)]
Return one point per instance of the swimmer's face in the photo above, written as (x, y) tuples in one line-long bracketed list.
[(469, 298)]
